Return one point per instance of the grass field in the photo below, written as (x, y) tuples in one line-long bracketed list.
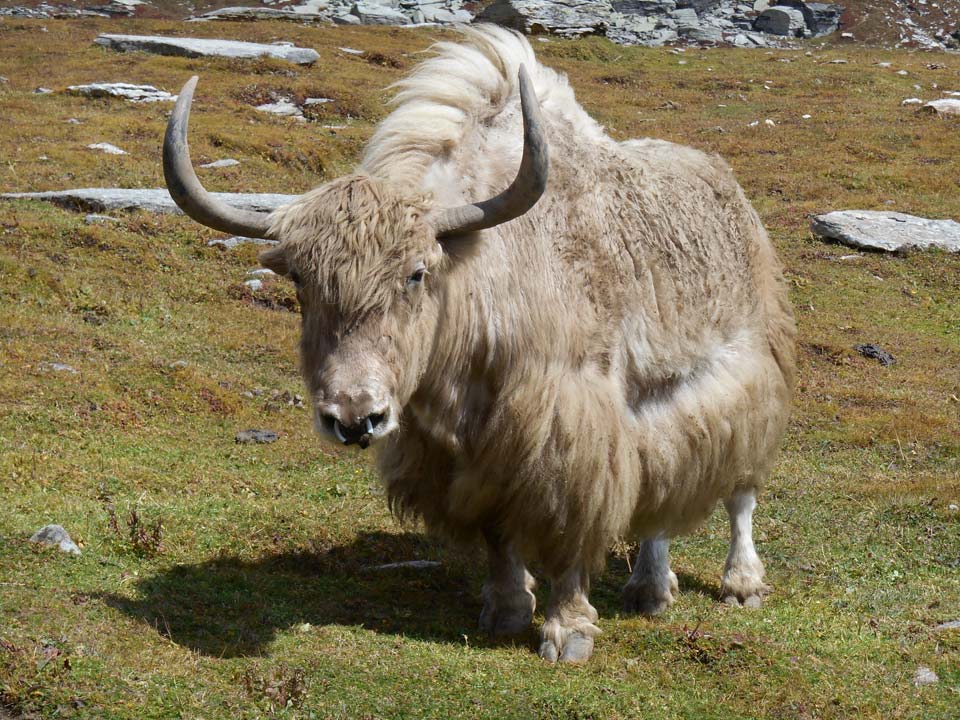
[(221, 580)]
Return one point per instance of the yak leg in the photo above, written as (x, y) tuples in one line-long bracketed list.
[(651, 586), (508, 599), (568, 633), (743, 573)]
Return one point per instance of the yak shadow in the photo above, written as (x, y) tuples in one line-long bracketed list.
[(230, 607), (233, 607)]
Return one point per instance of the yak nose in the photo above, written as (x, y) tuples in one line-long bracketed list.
[(354, 418)]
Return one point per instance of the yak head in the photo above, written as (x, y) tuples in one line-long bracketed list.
[(368, 260)]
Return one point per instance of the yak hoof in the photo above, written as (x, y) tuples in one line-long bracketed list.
[(505, 614), (750, 601), (497, 619), (748, 594), (577, 648), (650, 598)]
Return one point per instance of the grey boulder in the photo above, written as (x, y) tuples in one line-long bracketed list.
[(562, 17), (153, 200), (205, 47), (51, 535), (781, 20), (889, 231)]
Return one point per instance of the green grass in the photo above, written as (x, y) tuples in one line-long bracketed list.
[(256, 601)]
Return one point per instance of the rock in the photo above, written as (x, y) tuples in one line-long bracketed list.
[(259, 13), (58, 367), (950, 625), (350, 51), (644, 7), (944, 106), (701, 7), (820, 18), (232, 242), (203, 47), (890, 231), (178, 365), (912, 101), (247, 437), (284, 108), (372, 14), (875, 352), (571, 18), (107, 148), (924, 676), (94, 219), (153, 200), (127, 91), (442, 16), (255, 284), (406, 565), (42, 91), (55, 535), (226, 162), (316, 101), (261, 272), (781, 20)]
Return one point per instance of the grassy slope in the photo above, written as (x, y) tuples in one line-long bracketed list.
[(258, 603)]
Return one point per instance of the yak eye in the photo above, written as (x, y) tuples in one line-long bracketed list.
[(417, 276)]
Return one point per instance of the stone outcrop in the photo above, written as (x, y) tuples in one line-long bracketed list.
[(152, 200), (781, 20), (569, 18), (127, 91), (204, 47), (889, 231)]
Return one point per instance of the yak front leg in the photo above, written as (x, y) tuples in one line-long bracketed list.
[(743, 573), (652, 585), (508, 599), (567, 635)]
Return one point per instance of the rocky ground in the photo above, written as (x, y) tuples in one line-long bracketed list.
[(762, 23)]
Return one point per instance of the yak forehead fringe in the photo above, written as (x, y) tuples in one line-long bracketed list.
[(351, 240)]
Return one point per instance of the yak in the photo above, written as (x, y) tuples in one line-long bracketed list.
[(601, 349)]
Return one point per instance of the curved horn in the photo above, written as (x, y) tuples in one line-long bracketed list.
[(185, 188), (526, 188)]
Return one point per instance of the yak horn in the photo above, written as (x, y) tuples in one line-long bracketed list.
[(526, 188), (185, 188)]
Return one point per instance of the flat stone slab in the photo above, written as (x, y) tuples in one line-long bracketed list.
[(155, 200), (889, 231), (127, 91), (945, 106), (205, 47)]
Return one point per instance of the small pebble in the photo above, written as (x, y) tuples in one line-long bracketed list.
[(94, 219), (924, 676), (256, 436)]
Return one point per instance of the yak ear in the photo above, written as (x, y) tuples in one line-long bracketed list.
[(275, 258)]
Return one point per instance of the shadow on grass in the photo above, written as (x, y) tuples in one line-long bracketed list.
[(230, 607)]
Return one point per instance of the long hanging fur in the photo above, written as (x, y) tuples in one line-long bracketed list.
[(613, 362)]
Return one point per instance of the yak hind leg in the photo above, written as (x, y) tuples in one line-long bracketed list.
[(742, 582), (508, 599), (567, 635), (652, 584)]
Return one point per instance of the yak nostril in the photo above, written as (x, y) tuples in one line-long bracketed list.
[(374, 421)]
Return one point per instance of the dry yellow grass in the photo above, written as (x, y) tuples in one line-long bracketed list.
[(257, 603)]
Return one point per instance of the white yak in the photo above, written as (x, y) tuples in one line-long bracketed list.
[(605, 349)]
